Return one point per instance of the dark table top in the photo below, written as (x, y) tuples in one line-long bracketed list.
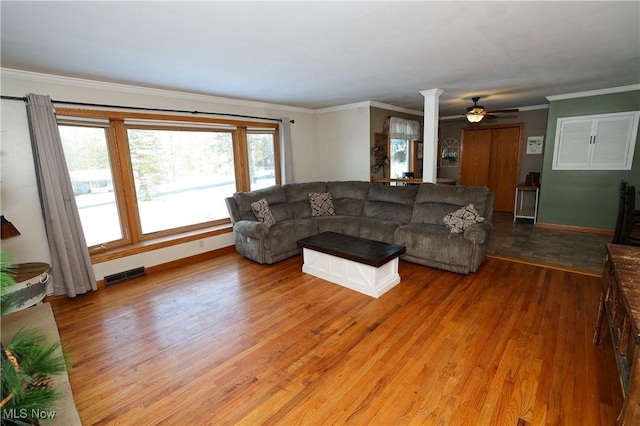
[(362, 250), (626, 266)]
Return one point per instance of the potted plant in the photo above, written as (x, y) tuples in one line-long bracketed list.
[(27, 364)]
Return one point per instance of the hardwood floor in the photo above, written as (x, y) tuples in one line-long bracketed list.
[(228, 341)]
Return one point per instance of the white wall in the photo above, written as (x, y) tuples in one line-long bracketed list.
[(19, 200), (343, 136)]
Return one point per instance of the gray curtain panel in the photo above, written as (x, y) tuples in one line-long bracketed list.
[(286, 159), (71, 269)]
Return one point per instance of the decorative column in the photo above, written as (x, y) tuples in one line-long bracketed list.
[(430, 141)]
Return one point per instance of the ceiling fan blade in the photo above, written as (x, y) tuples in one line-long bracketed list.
[(492, 116), (454, 118), (503, 111)]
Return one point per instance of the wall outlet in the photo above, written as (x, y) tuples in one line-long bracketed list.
[(201, 243)]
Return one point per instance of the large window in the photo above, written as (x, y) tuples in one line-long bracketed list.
[(87, 153), (262, 159), (138, 178), (400, 157), (181, 177), (402, 136)]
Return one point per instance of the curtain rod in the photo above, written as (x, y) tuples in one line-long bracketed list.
[(24, 99)]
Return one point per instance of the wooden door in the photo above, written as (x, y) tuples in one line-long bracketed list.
[(491, 157), (504, 167), (475, 156)]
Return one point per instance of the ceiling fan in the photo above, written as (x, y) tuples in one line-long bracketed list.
[(476, 113)]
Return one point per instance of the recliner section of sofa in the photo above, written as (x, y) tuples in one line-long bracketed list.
[(411, 216)]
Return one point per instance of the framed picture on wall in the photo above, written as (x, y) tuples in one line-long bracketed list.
[(534, 144), (450, 148)]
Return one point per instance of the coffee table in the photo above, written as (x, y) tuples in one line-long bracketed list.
[(367, 266)]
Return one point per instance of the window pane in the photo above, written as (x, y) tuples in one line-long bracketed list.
[(87, 156), (181, 177), (262, 160), (399, 157)]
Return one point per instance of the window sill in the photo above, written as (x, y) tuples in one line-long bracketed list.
[(158, 243)]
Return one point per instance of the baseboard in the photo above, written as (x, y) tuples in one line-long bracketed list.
[(191, 259), (168, 265), (574, 228)]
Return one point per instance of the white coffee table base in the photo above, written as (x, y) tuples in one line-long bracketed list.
[(356, 276)]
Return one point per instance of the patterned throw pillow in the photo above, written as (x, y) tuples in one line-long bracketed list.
[(263, 212), (321, 204), (462, 218)]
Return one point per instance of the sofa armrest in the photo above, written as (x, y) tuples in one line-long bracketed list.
[(232, 207), (251, 228), (478, 232)]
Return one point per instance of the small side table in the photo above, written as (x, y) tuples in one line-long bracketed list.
[(519, 208), (31, 284)]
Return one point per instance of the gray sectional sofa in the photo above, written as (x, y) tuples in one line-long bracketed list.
[(411, 216)]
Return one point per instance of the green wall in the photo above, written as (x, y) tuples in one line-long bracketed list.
[(585, 198)]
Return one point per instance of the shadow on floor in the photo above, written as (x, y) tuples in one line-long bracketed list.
[(580, 251)]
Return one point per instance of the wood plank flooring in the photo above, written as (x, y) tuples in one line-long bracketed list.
[(228, 341)]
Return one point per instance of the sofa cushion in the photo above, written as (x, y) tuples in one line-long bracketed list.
[(433, 202), (342, 224), (357, 190), (377, 229), (263, 212), (283, 237), (274, 195), (348, 197), (434, 242), (298, 196), (461, 219), (321, 204), (393, 203)]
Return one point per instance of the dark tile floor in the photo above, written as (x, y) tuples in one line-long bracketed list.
[(572, 250)]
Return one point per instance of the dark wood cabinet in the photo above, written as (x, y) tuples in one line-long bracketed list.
[(620, 308)]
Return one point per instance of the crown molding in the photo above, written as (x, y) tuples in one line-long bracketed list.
[(140, 90), (368, 104), (533, 107), (594, 92), (377, 104), (364, 104)]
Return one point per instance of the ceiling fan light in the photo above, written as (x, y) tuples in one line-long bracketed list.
[(473, 117), (475, 113)]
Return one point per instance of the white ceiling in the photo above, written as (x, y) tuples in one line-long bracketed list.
[(323, 54)]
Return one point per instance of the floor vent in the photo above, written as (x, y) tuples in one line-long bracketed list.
[(125, 275)]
